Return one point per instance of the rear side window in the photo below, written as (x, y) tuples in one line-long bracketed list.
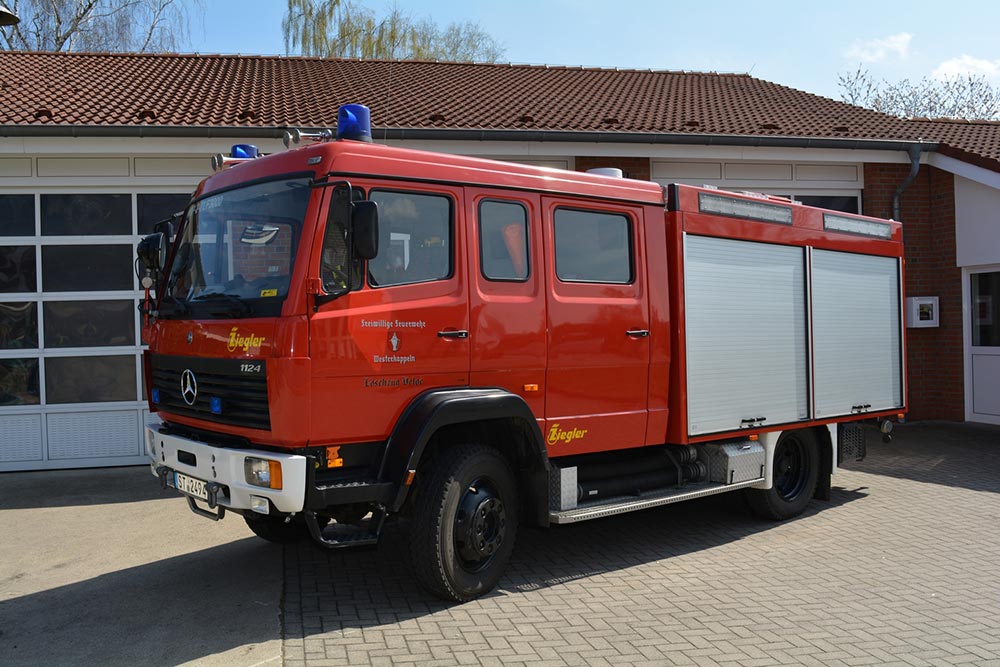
[(414, 239), (503, 241), (593, 247)]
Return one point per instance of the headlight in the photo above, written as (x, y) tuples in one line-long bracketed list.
[(262, 472)]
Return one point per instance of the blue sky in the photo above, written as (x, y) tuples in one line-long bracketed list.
[(800, 44)]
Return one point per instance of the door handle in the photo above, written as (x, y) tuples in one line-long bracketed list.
[(637, 333), (453, 334)]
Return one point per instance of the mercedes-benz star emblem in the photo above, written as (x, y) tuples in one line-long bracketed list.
[(190, 337), (189, 386)]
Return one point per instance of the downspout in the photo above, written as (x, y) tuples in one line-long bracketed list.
[(914, 152)]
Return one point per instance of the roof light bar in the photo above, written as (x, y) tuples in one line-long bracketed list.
[(741, 208), (840, 223)]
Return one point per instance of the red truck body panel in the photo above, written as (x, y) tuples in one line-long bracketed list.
[(601, 366)]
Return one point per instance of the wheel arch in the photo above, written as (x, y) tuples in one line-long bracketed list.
[(825, 451), (441, 418)]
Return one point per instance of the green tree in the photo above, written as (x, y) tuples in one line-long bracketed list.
[(97, 25), (341, 29), (971, 97)]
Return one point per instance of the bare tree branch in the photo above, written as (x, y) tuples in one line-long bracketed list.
[(99, 25), (970, 97)]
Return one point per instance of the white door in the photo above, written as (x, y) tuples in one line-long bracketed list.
[(982, 292)]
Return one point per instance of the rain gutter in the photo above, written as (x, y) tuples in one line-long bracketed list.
[(435, 134)]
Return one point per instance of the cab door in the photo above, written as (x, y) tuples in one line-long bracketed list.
[(507, 294), (405, 328), (597, 319)]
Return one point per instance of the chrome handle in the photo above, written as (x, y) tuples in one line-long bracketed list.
[(453, 334), (637, 333)]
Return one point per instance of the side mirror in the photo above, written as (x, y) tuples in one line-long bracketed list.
[(169, 225), (152, 252), (364, 223)]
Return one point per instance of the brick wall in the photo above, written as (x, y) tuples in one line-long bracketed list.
[(935, 358), (633, 167)]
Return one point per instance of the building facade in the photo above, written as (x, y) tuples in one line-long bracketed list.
[(82, 181)]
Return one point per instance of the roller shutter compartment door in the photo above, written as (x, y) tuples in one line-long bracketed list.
[(856, 333), (745, 309)]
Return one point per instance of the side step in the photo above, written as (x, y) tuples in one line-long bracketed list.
[(341, 536), (623, 504)]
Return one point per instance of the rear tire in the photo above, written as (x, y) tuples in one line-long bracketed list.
[(795, 470), (464, 523)]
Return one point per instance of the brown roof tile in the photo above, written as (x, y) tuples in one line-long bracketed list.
[(185, 90), (177, 90), (975, 141)]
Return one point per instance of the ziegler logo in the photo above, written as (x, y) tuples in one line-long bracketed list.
[(236, 341), (557, 435)]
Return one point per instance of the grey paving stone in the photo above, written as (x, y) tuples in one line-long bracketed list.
[(899, 567)]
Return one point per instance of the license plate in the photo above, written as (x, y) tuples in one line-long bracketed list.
[(190, 486)]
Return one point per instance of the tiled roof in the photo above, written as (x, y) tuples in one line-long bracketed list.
[(975, 141), (254, 91), (175, 91)]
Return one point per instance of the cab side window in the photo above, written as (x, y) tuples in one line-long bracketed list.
[(593, 247), (334, 257), (415, 239), (503, 241)]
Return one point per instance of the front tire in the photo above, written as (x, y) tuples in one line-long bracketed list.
[(274, 529), (795, 471), (464, 523)]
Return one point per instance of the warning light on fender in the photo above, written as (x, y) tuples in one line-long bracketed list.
[(753, 438), (531, 387)]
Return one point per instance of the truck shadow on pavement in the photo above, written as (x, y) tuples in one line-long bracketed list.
[(952, 454), (339, 592), (164, 613), (76, 488)]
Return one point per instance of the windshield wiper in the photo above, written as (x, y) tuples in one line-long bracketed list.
[(176, 306), (241, 306)]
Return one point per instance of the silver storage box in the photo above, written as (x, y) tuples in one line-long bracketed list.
[(562, 488), (735, 462)]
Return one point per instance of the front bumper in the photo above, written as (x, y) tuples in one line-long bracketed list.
[(225, 467)]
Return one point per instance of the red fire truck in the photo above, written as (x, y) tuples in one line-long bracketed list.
[(346, 332)]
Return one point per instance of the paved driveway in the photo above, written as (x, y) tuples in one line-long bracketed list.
[(902, 567)]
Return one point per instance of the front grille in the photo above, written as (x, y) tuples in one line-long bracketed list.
[(239, 386)]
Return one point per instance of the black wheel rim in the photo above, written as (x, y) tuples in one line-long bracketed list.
[(480, 525), (791, 468)]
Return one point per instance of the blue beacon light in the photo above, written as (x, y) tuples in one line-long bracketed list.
[(215, 405), (243, 151), (156, 396), (354, 121)]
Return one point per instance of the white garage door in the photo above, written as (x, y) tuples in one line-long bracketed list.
[(70, 374)]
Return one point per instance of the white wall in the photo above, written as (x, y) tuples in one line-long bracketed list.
[(977, 223)]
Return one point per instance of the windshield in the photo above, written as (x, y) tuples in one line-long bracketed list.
[(236, 249)]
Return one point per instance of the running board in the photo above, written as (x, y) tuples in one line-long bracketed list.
[(622, 504)]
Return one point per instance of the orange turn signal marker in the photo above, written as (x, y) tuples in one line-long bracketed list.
[(410, 474), (531, 387), (754, 437), (333, 459), (274, 468)]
